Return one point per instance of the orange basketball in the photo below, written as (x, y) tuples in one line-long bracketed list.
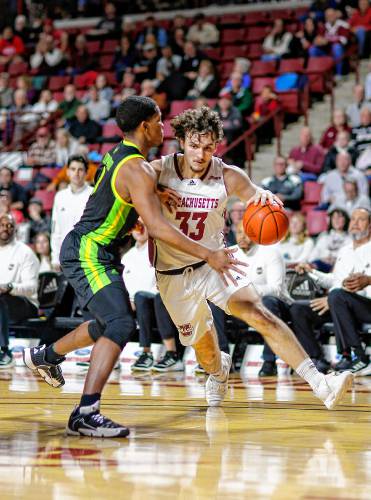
[(265, 224)]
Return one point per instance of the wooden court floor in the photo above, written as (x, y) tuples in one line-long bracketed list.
[(269, 440)]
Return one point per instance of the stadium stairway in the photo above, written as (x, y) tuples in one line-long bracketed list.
[(319, 118)]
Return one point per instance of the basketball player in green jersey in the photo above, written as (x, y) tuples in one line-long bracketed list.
[(90, 259)]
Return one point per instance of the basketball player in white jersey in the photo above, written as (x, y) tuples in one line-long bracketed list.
[(203, 184)]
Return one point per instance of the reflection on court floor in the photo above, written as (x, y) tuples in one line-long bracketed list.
[(270, 439)]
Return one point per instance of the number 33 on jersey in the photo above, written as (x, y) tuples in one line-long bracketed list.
[(199, 214)]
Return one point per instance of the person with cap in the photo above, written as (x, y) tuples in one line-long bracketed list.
[(151, 28), (18, 284), (43, 151), (147, 65), (18, 193), (39, 220)]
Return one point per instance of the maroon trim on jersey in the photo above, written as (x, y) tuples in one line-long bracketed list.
[(177, 169)]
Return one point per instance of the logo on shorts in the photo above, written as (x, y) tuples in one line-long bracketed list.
[(185, 330)]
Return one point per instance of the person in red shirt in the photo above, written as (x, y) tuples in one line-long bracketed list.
[(339, 123), (11, 46), (265, 103), (307, 157), (360, 24)]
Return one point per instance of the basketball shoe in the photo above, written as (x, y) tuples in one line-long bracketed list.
[(333, 387), (169, 363), (144, 363), (88, 421), (216, 390), (34, 359)]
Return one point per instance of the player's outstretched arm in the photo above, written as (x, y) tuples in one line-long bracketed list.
[(138, 180), (239, 184)]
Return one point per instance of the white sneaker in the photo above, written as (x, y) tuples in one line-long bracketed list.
[(215, 390), (333, 388)]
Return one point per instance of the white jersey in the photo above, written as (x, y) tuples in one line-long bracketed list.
[(200, 214)]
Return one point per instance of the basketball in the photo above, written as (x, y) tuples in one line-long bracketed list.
[(265, 224)]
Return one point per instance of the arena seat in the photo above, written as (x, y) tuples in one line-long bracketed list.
[(18, 68), (58, 82), (255, 34), (213, 53), (254, 50), (111, 129), (317, 222), (320, 74), (263, 68), (232, 51), (177, 107), (47, 198), (168, 131), (312, 192), (255, 18), (109, 46), (231, 36), (106, 62), (93, 46), (291, 65), (259, 83)]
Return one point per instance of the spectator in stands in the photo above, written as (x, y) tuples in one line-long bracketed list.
[(79, 58), (178, 41), (333, 180), (304, 39), (22, 30), (203, 33), (18, 290), (328, 244), (276, 44), (333, 41), (287, 186), (6, 206), (6, 92), (47, 59), (24, 82), (349, 300), (140, 281), (70, 102), (353, 110), (46, 105), (363, 162), (360, 24), (167, 64), (148, 89), (232, 126), (84, 128), (145, 68), (361, 135), (235, 216), (39, 219), (125, 57), (307, 158), (42, 250), (206, 83), (341, 145), (42, 152), (265, 103), (110, 24), (191, 61), (297, 246), (150, 27), (69, 205), (241, 96), (23, 119), (18, 193), (105, 91), (98, 107), (349, 199), (65, 146), (59, 37), (339, 123), (11, 47)]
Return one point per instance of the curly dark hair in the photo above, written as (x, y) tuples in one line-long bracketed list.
[(198, 121)]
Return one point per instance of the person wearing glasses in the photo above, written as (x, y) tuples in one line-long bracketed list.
[(18, 284)]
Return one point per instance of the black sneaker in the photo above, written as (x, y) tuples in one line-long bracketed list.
[(268, 369), (361, 367), (169, 363), (344, 364), (34, 359), (144, 363), (93, 423), (6, 360), (322, 365)]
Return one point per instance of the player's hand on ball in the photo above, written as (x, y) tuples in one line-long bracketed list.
[(224, 262), (264, 196), (168, 197)]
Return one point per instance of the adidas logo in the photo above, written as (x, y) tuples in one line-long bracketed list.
[(303, 288), (51, 287), (192, 183)]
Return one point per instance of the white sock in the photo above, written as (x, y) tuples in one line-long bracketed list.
[(221, 374), (309, 373)]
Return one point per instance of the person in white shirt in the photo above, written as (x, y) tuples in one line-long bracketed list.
[(328, 244), (45, 105), (297, 246), (350, 199), (99, 108), (140, 281), (18, 284), (203, 33), (349, 299), (266, 271), (69, 205)]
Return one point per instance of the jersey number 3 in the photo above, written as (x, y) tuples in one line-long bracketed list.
[(200, 226)]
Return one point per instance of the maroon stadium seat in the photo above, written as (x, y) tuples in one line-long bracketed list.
[(263, 68), (58, 82), (106, 62), (312, 192), (49, 172), (178, 107), (320, 74), (47, 198), (109, 46), (213, 53), (291, 65), (17, 68), (255, 33), (110, 129), (233, 51), (232, 36), (255, 18), (93, 46), (317, 222), (230, 19), (259, 83), (168, 131), (254, 50), (107, 146)]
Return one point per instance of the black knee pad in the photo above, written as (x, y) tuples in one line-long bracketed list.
[(119, 330), (95, 329)]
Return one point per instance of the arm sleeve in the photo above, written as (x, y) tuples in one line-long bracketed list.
[(56, 234), (30, 273), (275, 271), (36, 60)]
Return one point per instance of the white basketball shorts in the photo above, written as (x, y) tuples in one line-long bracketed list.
[(185, 297)]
